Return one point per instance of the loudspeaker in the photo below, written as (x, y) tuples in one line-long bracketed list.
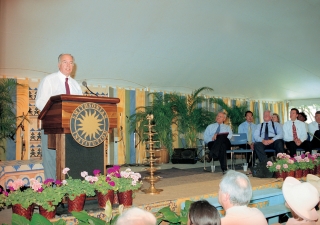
[(184, 156)]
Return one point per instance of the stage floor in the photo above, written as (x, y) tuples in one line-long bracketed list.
[(179, 182)]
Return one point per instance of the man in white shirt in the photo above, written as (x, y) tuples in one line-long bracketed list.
[(248, 128), (55, 84), (295, 134), (217, 136), (234, 196), (268, 135), (314, 130)]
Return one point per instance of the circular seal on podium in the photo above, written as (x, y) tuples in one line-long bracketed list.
[(89, 124)]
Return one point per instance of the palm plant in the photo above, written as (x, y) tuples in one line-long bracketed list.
[(191, 118), (162, 120), (8, 118), (235, 113)]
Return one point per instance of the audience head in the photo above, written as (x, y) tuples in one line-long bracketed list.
[(301, 198), (317, 117), (65, 63), (235, 189), (267, 116), (203, 213), (249, 116), (221, 117), (136, 216), (294, 112), (302, 117), (275, 117)]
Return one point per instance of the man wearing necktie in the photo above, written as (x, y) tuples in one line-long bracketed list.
[(217, 136), (248, 128), (314, 130), (295, 134), (55, 84), (268, 135)]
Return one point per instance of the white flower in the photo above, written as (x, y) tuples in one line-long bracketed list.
[(84, 174)]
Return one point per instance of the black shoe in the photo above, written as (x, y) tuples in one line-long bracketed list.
[(224, 171), (208, 158)]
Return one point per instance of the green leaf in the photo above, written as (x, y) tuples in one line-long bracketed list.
[(38, 219), (19, 220)]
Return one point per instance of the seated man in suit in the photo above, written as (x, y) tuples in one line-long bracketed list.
[(268, 135), (314, 131), (248, 128), (217, 136), (295, 134)]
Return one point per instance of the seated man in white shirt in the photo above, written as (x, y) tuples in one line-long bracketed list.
[(217, 136), (314, 130), (248, 128), (295, 134), (234, 196)]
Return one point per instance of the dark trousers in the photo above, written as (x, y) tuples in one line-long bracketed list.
[(315, 143), (259, 148), (292, 147), (218, 150)]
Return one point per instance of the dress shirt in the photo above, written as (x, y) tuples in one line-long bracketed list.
[(211, 130), (54, 84), (243, 215), (313, 127), (277, 127), (300, 127), (243, 128)]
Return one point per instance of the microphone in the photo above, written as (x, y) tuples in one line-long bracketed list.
[(84, 83)]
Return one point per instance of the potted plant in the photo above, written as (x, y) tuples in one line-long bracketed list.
[(305, 162), (190, 118), (76, 190), (128, 182), (161, 109), (21, 198), (235, 113), (105, 186), (49, 195), (8, 119), (282, 165)]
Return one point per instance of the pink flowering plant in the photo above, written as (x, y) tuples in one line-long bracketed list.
[(3, 197), (49, 193), (76, 187), (104, 183), (305, 161), (129, 180), (19, 193), (283, 163)]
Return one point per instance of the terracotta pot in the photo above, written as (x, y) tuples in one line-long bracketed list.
[(103, 198), (318, 169), (291, 173), (27, 213), (77, 204), (314, 171), (282, 175), (125, 198), (298, 174), (47, 214), (305, 172)]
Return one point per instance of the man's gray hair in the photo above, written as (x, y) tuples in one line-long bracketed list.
[(237, 185), (59, 57), (136, 216)]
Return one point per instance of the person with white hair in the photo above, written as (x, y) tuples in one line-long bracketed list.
[(234, 196), (136, 216), (301, 198)]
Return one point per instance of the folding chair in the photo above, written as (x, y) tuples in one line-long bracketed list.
[(237, 140)]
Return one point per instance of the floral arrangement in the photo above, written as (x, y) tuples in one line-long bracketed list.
[(306, 161), (283, 163), (20, 194), (129, 180), (49, 194), (76, 187), (3, 197), (104, 183)]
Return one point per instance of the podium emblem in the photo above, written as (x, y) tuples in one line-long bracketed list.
[(89, 124)]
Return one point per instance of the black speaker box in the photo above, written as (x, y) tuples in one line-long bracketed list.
[(184, 156)]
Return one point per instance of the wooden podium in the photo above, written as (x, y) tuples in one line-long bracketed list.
[(55, 118)]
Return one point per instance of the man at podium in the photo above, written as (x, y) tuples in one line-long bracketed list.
[(55, 84)]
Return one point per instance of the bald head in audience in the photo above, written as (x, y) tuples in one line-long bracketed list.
[(136, 216)]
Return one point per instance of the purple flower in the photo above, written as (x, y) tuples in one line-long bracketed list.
[(48, 181), (58, 183), (96, 173), (112, 183)]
